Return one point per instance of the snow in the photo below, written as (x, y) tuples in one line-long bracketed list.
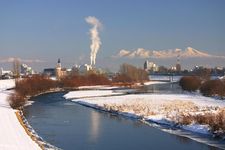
[(148, 99), (53, 78), (98, 87), (13, 135), (158, 108), (160, 119), (155, 82), (222, 78), (7, 84), (28, 103), (197, 128), (89, 93)]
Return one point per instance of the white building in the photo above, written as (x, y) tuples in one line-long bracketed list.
[(5, 74), (150, 66), (26, 70)]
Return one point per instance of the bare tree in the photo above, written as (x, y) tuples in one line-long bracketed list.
[(16, 67), (134, 73)]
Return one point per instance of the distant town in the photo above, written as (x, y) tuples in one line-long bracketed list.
[(58, 71)]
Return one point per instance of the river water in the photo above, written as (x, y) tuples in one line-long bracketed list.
[(70, 126)]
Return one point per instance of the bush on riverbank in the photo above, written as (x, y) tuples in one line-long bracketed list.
[(31, 86), (206, 87), (123, 78), (213, 88), (34, 85), (89, 79), (16, 100), (190, 83)]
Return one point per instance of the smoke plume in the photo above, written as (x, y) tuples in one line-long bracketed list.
[(95, 39)]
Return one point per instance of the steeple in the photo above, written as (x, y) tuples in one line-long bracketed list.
[(59, 63)]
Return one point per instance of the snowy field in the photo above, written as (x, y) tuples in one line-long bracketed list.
[(7, 84), (13, 135), (158, 108)]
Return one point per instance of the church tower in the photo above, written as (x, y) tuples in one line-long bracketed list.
[(58, 69)]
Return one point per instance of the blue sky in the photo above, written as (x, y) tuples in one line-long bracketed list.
[(49, 29)]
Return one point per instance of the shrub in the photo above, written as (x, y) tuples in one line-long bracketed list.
[(30, 87), (190, 83), (34, 85), (85, 80), (129, 73), (123, 78), (97, 79), (16, 100), (213, 88)]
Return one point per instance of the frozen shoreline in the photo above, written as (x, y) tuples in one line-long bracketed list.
[(13, 135)]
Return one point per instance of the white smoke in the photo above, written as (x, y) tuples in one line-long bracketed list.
[(95, 39)]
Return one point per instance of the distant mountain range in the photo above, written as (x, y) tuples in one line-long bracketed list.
[(143, 53)]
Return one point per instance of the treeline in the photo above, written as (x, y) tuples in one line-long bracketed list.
[(207, 87), (88, 79), (38, 84), (130, 74)]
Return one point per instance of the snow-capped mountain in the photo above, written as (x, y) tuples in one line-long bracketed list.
[(143, 53), (191, 52)]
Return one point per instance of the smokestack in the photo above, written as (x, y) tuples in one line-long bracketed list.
[(95, 39)]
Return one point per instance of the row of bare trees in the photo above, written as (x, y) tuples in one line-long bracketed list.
[(130, 74)]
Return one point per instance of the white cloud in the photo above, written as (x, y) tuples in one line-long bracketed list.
[(11, 59), (123, 53)]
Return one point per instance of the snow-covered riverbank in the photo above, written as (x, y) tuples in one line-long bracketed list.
[(159, 108), (7, 84), (13, 135)]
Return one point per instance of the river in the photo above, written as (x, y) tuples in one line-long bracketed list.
[(70, 126)]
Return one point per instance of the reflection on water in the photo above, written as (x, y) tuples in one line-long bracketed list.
[(70, 126), (95, 126), (167, 88)]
